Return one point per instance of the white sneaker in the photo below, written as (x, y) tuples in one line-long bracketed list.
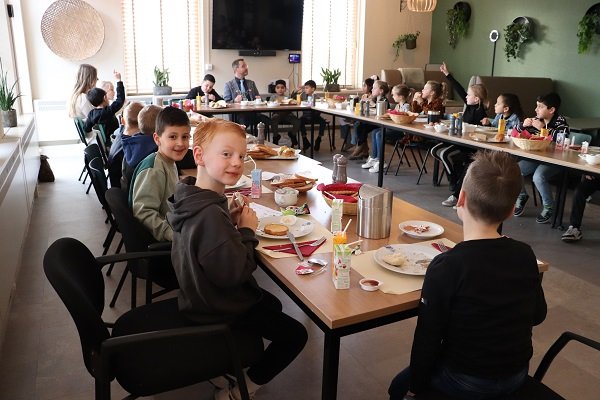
[(375, 168), (370, 162), (450, 201)]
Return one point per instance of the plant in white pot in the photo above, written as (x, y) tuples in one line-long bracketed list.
[(161, 82), (330, 79), (8, 97)]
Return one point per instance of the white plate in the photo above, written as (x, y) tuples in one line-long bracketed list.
[(490, 139), (434, 229), (244, 181), (302, 227), (413, 252), (486, 129), (427, 126)]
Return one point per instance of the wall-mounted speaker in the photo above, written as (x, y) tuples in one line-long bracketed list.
[(257, 53)]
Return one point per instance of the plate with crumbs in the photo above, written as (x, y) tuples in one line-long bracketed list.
[(421, 229)]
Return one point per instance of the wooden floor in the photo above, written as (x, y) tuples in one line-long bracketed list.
[(41, 356)]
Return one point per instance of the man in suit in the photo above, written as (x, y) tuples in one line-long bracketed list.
[(240, 88)]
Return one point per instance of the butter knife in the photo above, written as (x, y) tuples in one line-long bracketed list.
[(290, 236)]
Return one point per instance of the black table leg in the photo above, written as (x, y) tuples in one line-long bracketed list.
[(312, 135), (333, 132), (331, 361), (381, 158), (561, 196)]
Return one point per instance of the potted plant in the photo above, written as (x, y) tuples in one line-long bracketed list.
[(409, 40), (516, 34), (330, 77), (161, 82), (8, 96), (457, 22), (586, 29)]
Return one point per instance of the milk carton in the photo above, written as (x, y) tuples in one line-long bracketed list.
[(340, 270)]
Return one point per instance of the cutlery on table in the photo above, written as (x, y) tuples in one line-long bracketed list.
[(315, 243), (290, 236), (440, 246)]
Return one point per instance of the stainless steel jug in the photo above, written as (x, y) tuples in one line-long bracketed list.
[(374, 212)]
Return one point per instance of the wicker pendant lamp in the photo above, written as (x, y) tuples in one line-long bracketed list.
[(421, 5)]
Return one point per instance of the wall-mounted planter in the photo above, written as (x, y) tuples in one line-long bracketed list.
[(587, 27), (516, 34), (457, 22)]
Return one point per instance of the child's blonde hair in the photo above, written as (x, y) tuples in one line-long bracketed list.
[(385, 88), (147, 119), (439, 89), (481, 92), (492, 184), (87, 75), (402, 90), (206, 131), (131, 112)]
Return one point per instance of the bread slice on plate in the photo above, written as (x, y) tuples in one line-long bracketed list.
[(276, 229)]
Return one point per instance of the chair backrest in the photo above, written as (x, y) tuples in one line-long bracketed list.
[(101, 139), (77, 278), (95, 168), (135, 235), (580, 137), (80, 130)]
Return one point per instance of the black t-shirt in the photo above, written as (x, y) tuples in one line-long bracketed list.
[(479, 303)]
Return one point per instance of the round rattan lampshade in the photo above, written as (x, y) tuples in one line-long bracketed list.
[(72, 29), (421, 5)]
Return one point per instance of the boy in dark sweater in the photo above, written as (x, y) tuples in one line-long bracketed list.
[(480, 299), (103, 113), (213, 255)]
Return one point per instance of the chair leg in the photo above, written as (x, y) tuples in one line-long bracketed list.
[(133, 291), (148, 291), (395, 151), (110, 267), (422, 168), (331, 144), (113, 301), (85, 178), (81, 174), (89, 187)]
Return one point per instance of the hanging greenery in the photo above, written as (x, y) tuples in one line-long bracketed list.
[(516, 34), (586, 29), (408, 39), (457, 24)]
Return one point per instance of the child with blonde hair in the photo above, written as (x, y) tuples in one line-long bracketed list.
[(378, 93), (216, 274)]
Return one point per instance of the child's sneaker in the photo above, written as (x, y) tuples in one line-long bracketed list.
[(450, 201), (544, 216), (375, 167), (572, 235), (370, 162), (520, 204)]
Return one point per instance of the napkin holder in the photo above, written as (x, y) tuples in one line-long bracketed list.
[(374, 212)]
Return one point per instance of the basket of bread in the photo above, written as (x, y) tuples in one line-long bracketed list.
[(401, 117), (261, 151), (331, 101), (301, 182), (532, 142), (345, 191)]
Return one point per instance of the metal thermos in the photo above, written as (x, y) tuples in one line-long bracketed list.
[(433, 116), (374, 212), (260, 127), (381, 109), (452, 127)]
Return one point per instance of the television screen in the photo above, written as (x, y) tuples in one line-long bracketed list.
[(294, 58), (257, 24)]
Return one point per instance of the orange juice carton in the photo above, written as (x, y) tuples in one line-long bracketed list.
[(340, 270)]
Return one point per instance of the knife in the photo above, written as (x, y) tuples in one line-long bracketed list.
[(296, 248)]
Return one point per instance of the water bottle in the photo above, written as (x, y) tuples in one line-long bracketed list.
[(261, 133)]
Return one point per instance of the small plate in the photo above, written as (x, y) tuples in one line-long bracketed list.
[(302, 227), (490, 139), (486, 129), (413, 253), (244, 181), (433, 231), (427, 126), (370, 285)]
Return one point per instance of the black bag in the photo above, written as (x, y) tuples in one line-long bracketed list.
[(45, 174)]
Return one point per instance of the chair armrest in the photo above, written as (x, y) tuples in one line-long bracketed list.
[(560, 343), (160, 246), (115, 258)]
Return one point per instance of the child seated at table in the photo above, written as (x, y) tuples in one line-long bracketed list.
[(588, 185), (547, 116), (311, 117), (480, 299), (129, 127), (431, 98), (216, 275), (346, 124), (284, 117), (508, 108), (103, 113), (154, 179)]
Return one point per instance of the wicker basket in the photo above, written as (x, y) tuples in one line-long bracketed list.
[(403, 119), (531, 145), (349, 208)]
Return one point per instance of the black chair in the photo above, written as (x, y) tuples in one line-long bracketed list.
[(95, 169), (533, 388), (152, 349), (139, 239), (81, 132)]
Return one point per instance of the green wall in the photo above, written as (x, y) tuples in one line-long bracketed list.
[(552, 53)]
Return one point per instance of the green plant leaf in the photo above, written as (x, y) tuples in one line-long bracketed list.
[(8, 95), (586, 29)]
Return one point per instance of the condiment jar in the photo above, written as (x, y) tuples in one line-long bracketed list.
[(433, 116)]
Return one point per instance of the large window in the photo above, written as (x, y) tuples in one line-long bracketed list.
[(161, 33), (329, 39)]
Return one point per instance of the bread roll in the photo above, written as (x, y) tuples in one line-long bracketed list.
[(276, 229)]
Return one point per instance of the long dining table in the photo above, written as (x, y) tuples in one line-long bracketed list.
[(336, 312)]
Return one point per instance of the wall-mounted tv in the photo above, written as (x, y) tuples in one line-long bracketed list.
[(257, 24)]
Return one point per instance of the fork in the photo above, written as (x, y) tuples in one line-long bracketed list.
[(315, 243), (443, 248)]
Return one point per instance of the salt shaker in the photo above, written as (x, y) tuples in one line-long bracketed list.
[(261, 133), (341, 176)]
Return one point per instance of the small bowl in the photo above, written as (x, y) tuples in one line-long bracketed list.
[(285, 197), (272, 104), (244, 103), (439, 128), (370, 285), (593, 159), (288, 220)]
